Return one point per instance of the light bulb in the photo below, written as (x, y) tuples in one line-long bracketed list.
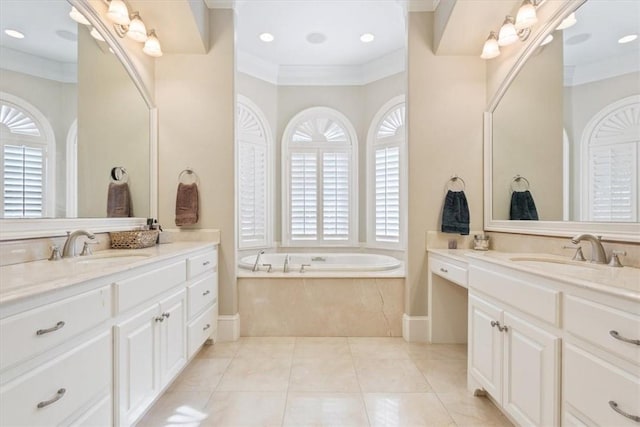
[(567, 22), (118, 12), (152, 45), (490, 48), (508, 33), (526, 16), (137, 31), (78, 17), (96, 35)]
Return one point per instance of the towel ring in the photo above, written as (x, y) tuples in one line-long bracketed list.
[(453, 180), (518, 179), (191, 173), (118, 174)]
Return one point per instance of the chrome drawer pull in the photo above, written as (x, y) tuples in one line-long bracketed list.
[(206, 327), (166, 314), (500, 328), (59, 325), (159, 319), (205, 293), (614, 406), (617, 336), (59, 395), (204, 264), (444, 270)]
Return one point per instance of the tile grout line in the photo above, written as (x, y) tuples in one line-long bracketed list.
[(286, 395), (364, 403)]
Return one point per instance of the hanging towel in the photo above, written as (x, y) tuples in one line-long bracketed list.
[(187, 204), (455, 213), (522, 206), (119, 200)]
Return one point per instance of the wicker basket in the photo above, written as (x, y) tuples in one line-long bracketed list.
[(136, 239)]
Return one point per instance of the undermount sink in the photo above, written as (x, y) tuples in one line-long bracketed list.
[(110, 257), (556, 264)]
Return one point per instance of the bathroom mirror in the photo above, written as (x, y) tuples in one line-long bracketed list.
[(564, 128), (88, 116)]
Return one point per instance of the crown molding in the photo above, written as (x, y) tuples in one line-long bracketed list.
[(575, 75), (20, 62)]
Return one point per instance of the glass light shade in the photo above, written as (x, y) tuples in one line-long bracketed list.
[(567, 22), (547, 40), (137, 31), (78, 17), (152, 45), (526, 16), (508, 33), (118, 12), (96, 35), (490, 48)]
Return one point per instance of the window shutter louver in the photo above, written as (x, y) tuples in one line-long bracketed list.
[(387, 194), (335, 197), (23, 179), (304, 196), (252, 176)]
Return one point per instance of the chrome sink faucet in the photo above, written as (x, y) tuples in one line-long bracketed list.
[(598, 255), (285, 268), (69, 249), (257, 263)]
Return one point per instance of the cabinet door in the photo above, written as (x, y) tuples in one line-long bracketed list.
[(137, 365), (173, 341), (485, 346), (531, 373)]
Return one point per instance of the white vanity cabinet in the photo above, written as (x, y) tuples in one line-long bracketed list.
[(202, 292), (514, 348)]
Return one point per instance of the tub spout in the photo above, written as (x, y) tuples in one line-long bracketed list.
[(257, 263)]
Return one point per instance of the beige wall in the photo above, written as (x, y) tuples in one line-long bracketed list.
[(446, 98), (57, 101), (195, 97), (113, 130), (527, 135)]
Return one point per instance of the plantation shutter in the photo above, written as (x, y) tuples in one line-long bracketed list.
[(252, 176), (304, 195), (23, 179), (387, 194), (335, 195)]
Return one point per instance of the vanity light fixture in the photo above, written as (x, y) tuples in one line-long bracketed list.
[(512, 29), (78, 17), (627, 39), (508, 33), (491, 48), (96, 35), (547, 40), (266, 37), (14, 33), (118, 12), (137, 30), (367, 38), (133, 27), (152, 45), (526, 16), (567, 22)]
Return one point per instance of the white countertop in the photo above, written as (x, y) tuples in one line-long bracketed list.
[(623, 282), (28, 279)]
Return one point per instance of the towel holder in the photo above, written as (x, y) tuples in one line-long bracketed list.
[(453, 180), (189, 172), (518, 179), (119, 173)]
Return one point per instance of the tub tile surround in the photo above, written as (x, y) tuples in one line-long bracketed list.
[(377, 382), (316, 307)]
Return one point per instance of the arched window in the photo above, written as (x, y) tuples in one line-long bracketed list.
[(319, 179), (610, 157), (254, 176), (28, 154), (386, 179)]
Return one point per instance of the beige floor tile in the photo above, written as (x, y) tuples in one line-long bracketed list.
[(390, 375), (468, 410), (201, 375), (378, 348), (325, 409), (266, 347), (406, 409), (235, 409), (444, 375), (437, 351), (256, 375), (185, 408), (334, 375), (224, 350), (321, 347)]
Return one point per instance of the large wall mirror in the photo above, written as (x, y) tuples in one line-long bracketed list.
[(71, 113), (563, 136)]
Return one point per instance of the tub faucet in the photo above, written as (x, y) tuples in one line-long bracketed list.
[(257, 263), (69, 249), (285, 268), (598, 255)]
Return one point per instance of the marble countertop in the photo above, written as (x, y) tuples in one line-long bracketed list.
[(24, 280), (623, 282)]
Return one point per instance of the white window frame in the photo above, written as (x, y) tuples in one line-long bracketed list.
[(46, 140), (372, 144), (319, 147), (262, 121)]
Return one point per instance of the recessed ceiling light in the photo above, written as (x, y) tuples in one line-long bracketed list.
[(266, 37), (13, 33), (547, 40), (628, 38), (367, 38), (316, 38)]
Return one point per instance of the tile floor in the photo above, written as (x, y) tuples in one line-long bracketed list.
[(324, 381)]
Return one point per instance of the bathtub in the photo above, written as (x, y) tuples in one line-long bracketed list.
[(324, 265)]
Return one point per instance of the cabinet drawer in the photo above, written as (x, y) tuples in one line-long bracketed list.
[(100, 415), (139, 289), (203, 327), (590, 383), (598, 323), (198, 264), (537, 300), (83, 373), (449, 271), (32, 332), (202, 293)]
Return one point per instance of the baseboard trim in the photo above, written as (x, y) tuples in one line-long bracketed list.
[(228, 327), (415, 328)]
